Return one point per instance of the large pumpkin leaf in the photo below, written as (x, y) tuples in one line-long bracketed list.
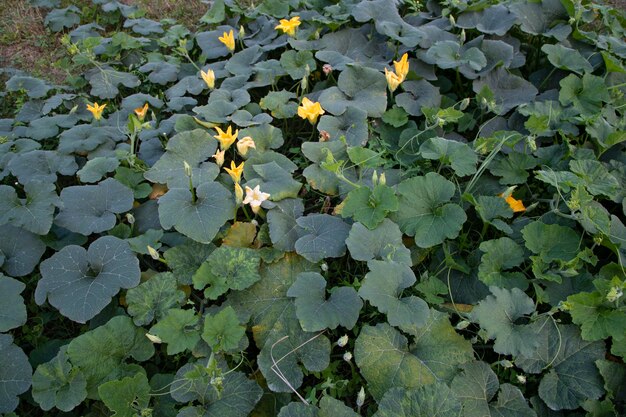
[(458, 155), (551, 241), (101, 354), (105, 81), (12, 307), (315, 312), (499, 256), (35, 212), (328, 407), (435, 400), (425, 211), (125, 396), (495, 19), (57, 384), (38, 165), (179, 329), (20, 250), (370, 206), (509, 90), (151, 299), (383, 243), (351, 125), (185, 259), (476, 386), (497, 314), (91, 209), (272, 317), (15, 373), (284, 231), (324, 236), (222, 331), (80, 283), (383, 286), (201, 219)]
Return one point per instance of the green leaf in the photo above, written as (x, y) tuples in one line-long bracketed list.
[(57, 384), (193, 147), (351, 125), (396, 116), (458, 155), (596, 178), (551, 241), (383, 243), (222, 331), (227, 268), (91, 209), (490, 209), (324, 236), (275, 180), (328, 407), (126, 397), (12, 307), (15, 373), (199, 220), (385, 359), (383, 286), (315, 312), (435, 400), (500, 255), (153, 298), (450, 54), (95, 169), (364, 157), (597, 319), (59, 19), (497, 314), (80, 283), (216, 14), (284, 231), (477, 385), (279, 104), (35, 212), (105, 82), (185, 259), (34, 87), (425, 212), (298, 63), (573, 375), (513, 168), (567, 58), (273, 316), (495, 19), (139, 244), (357, 86), (20, 250), (101, 354), (179, 329), (509, 90), (417, 96), (585, 95), (370, 206)]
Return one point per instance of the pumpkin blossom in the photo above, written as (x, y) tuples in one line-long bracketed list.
[(208, 77), (244, 144), (141, 112), (219, 157), (238, 194), (516, 205), (228, 39), (226, 139), (235, 171), (310, 110), (289, 26), (255, 197), (96, 110), (393, 81), (402, 67)]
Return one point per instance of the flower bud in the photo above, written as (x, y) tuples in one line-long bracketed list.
[(506, 363), (342, 341), (242, 32), (375, 178), (464, 103), (153, 338), (347, 356), (452, 20), (327, 68), (238, 194), (462, 324), (521, 379), (324, 267), (382, 180), (614, 294), (462, 37), (130, 218), (360, 398), (153, 253), (187, 169)]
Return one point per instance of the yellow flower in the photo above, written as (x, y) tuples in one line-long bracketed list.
[(310, 110), (96, 110), (255, 198), (226, 139), (402, 67), (209, 78), (516, 205), (235, 171), (228, 39), (141, 112), (393, 81), (244, 144), (219, 158), (289, 26), (238, 193)]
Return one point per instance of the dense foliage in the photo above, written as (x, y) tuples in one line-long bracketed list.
[(318, 208)]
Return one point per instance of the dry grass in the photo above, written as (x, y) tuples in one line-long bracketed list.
[(186, 12), (25, 43)]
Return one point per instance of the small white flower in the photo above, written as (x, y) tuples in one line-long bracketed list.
[(343, 340), (506, 363), (324, 267), (521, 379), (347, 356), (153, 338), (130, 218), (255, 198)]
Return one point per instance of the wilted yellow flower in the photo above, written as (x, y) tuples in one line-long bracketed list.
[(402, 67), (228, 39), (238, 194), (141, 112), (255, 198), (96, 110), (289, 26), (226, 139), (209, 78), (219, 157), (393, 81), (516, 205), (244, 144), (235, 171), (310, 110)]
